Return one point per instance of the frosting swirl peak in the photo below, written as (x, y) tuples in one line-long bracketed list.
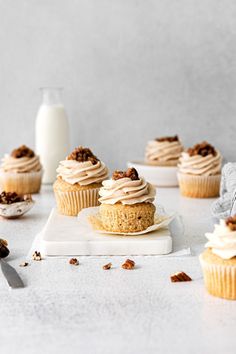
[(21, 164), (199, 165), (126, 191), (165, 149), (222, 240)]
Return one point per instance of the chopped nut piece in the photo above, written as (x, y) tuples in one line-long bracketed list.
[(203, 149), (82, 154), (130, 173), (22, 151), (74, 261), (231, 222), (4, 251), (10, 198), (37, 256), (107, 266), (180, 276), (24, 264), (129, 264), (170, 139)]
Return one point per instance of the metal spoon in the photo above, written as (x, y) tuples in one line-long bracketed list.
[(11, 275)]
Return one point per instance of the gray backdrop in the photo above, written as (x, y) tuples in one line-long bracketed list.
[(132, 70)]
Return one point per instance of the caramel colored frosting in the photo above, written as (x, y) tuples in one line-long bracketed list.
[(164, 149), (199, 165), (21, 164), (83, 173), (222, 240), (126, 191)]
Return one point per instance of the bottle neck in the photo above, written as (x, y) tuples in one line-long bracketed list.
[(52, 95)]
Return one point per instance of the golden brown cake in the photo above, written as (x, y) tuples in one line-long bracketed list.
[(126, 202), (199, 171), (164, 151), (218, 261), (21, 172), (78, 182)]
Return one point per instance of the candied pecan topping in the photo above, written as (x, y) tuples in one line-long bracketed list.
[(82, 154), (170, 139), (24, 264), (231, 222), (129, 264), (107, 266), (4, 251), (74, 261), (203, 149), (22, 151), (10, 198), (130, 173), (180, 276)]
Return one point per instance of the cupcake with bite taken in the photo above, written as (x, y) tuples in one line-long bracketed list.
[(126, 202), (199, 171), (21, 172), (79, 179), (218, 261), (164, 151)]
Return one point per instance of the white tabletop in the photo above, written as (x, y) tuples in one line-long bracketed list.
[(84, 309)]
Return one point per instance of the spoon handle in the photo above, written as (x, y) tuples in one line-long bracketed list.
[(11, 275)]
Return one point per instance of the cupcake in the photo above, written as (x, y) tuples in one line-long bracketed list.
[(199, 171), (218, 261), (126, 202), (21, 172), (164, 151), (79, 179)]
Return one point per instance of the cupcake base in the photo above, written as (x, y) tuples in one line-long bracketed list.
[(219, 275), (71, 199), (21, 183), (127, 218), (199, 186)]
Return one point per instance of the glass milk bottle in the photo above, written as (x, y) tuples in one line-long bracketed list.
[(51, 132)]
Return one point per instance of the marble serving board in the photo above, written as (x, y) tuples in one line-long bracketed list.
[(71, 236)]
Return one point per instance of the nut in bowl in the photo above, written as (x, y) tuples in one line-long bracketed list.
[(13, 206)]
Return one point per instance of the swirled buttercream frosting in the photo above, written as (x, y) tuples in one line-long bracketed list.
[(222, 240), (199, 165), (21, 164), (163, 149), (126, 191), (83, 173)]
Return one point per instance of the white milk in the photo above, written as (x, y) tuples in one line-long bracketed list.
[(52, 133)]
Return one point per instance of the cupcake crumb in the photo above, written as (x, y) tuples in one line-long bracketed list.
[(24, 264), (179, 277), (36, 256), (129, 264)]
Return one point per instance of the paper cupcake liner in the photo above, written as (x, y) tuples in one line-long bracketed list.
[(71, 202), (21, 183), (220, 280), (199, 186)]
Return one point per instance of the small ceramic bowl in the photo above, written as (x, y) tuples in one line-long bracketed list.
[(159, 176), (15, 210)]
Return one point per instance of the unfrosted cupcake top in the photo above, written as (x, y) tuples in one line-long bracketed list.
[(164, 149), (222, 240), (126, 187), (201, 159), (82, 167), (21, 160)]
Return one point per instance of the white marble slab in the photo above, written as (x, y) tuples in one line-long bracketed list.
[(68, 235)]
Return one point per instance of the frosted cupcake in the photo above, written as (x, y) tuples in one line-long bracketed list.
[(164, 151), (79, 179), (218, 261), (200, 171), (21, 172), (126, 202)]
